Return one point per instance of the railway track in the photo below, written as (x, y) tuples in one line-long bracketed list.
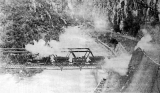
[(100, 86), (52, 67)]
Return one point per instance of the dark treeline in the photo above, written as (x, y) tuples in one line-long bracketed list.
[(28, 20)]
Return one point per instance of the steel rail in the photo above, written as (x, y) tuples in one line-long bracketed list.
[(51, 67), (100, 86)]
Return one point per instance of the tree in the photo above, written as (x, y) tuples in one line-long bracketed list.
[(27, 23), (129, 15)]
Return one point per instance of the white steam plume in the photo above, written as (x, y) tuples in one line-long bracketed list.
[(39, 47), (74, 37), (118, 64), (145, 43)]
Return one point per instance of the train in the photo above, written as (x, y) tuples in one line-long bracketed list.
[(71, 59)]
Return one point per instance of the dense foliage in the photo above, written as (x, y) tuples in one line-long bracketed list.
[(29, 20), (25, 23), (127, 16)]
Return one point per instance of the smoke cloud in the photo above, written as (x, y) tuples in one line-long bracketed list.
[(76, 37), (145, 42), (40, 48), (118, 64), (73, 37)]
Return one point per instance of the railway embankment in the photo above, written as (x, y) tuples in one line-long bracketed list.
[(142, 76)]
